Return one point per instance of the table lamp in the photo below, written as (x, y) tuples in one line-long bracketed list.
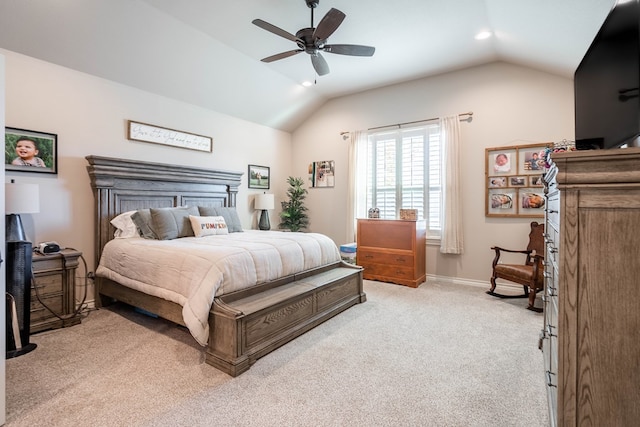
[(19, 199), (264, 202)]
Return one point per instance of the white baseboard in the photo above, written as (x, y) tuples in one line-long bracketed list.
[(469, 282)]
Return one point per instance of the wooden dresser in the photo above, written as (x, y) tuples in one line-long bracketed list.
[(591, 335), (54, 278), (392, 250)]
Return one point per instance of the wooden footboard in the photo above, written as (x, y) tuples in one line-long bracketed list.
[(247, 325)]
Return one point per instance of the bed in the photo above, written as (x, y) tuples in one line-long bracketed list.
[(246, 319)]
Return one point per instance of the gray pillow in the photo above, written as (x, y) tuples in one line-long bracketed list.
[(172, 223), (142, 219), (230, 216)]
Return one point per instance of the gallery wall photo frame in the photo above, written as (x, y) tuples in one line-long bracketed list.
[(144, 132), (259, 177), (513, 180), (30, 151), (322, 174)]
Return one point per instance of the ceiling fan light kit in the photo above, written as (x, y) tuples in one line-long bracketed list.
[(313, 40)]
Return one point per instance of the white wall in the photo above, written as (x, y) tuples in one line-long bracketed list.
[(89, 116), (511, 105)]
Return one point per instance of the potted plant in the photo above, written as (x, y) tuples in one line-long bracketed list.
[(293, 216)]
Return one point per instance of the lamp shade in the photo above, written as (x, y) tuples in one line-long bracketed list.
[(264, 201), (21, 198)]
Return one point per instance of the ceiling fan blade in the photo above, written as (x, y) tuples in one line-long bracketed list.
[(350, 49), (275, 30), (281, 55), (328, 24), (319, 64)]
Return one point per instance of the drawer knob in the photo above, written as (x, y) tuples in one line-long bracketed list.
[(549, 382), (549, 327)]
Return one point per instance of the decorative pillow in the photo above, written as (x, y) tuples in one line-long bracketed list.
[(171, 223), (208, 225), (230, 216), (142, 219), (125, 227)]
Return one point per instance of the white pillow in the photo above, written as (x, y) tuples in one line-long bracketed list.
[(208, 225), (125, 227)]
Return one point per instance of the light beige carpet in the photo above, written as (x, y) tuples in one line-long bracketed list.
[(439, 355)]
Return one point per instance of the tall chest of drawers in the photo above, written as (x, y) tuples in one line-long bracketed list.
[(392, 250), (591, 339)]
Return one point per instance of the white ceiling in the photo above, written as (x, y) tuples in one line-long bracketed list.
[(207, 52)]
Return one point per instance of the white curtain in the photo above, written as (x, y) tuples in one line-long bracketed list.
[(357, 143), (451, 241)]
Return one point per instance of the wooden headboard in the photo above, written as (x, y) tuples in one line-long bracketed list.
[(121, 185)]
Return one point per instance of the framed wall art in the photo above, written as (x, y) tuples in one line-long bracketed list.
[(322, 174), (259, 177), (143, 132), (502, 201), (30, 151), (514, 180)]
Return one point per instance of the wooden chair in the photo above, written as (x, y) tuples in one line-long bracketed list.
[(529, 274)]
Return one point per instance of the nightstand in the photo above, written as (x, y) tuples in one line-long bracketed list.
[(55, 279)]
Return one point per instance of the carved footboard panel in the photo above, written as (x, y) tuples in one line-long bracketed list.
[(246, 326)]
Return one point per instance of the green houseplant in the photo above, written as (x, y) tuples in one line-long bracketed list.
[(293, 216)]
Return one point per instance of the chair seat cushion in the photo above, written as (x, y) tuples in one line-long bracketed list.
[(522, 272)]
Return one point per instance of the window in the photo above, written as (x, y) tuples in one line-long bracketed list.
[(403, 171)]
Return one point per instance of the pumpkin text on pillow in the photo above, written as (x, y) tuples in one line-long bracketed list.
[(208, 225)]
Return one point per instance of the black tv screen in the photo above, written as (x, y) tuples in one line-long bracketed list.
[(607, 106)]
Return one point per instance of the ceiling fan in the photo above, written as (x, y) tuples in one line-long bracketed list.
[(314, 40)]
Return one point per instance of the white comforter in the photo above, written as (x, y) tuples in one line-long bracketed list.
[(191, 271)]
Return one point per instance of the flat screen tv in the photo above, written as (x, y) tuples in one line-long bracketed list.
[(607, 106)]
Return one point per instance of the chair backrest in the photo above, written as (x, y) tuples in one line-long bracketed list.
[(536, 239)]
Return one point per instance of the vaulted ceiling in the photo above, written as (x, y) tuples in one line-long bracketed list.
[(207, 52)]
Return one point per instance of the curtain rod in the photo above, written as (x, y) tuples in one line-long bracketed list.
[(470, 113)]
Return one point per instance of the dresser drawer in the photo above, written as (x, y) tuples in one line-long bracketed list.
[(47, 284), (39, 312), (368, 256), (372, 270), (49, 263), (386, 234)]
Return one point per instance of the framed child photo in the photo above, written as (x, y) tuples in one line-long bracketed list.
[(532, 201), (532, 160), (536, 181), (259, 177), (30, 151), (497, 181), (518, 181), (501, 202), (501, 161)]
